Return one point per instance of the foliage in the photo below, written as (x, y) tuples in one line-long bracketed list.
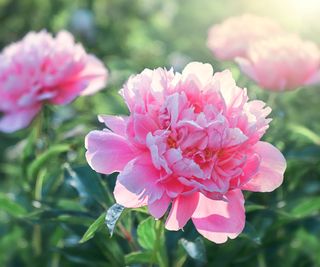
[(53, 206)]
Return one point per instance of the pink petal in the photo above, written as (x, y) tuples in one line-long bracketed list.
[(271, 171), (128, 199), (247, 67), (108, 152), (142, 126), (96, 74), (11, 122), (142, 179), (217, 220), (117, 124), (158, 208), (181, 211), (249, 170), (314, 79), (65, 93), (202, 72)]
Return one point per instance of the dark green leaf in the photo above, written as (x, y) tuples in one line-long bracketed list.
[(87, 183), (41, 160), (196, 250), (113, 215), (254, 207), (302, 130), (306, 207), (251, 233), (93, 228), (11, 207), (139, 257)]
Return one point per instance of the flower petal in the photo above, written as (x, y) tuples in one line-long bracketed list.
[(271, 170), (202, 72), (96, 74), (108, 152), (67, 92), (181, 211), (18, 120), (142, 179), (158, 208), (247, 67), (217, 220), (117, 124), (126, 198), (142, 126)]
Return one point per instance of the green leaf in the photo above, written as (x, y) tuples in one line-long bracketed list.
[(41, 160), (11, 207), (151, 237), (87, 183), (146, 233), (139, 257), (95, 226), (306, 133), (254, 207), (112, 216), (196, 250), (251, 233), (306, 207)]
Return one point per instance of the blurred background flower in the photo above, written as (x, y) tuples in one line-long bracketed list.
[(49, 197), (42, 69)]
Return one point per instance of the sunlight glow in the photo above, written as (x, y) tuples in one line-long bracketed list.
[(306, 7)]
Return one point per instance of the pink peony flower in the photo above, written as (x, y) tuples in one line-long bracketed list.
[(41, 69), (192, 140), (282, 63), (231, 38)]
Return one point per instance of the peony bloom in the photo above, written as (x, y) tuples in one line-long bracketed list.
[(41, 69), (192, 140), (282, 63), (231, 38)]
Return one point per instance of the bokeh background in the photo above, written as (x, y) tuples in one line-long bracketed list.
[(42, 220)]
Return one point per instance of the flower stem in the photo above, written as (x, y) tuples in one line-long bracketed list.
[(159, 251)]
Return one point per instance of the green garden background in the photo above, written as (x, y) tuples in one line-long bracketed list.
[(49, 196)]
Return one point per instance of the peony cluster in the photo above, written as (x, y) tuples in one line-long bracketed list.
[(232, 37), (42, 69), (282, 63), (273, 58), (191, 143)]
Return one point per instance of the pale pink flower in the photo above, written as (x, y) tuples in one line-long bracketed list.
[(41, 68), (282, 63), (231, 38), (192, 140)]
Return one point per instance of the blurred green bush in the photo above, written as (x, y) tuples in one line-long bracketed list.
[(48, 194)]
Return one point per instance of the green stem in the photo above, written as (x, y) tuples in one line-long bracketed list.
[(37, 236), (159, 251)]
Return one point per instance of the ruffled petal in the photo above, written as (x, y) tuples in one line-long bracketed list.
[(108, 152), (142, 126), (271, 170), (182, 209), (202, 72), (128, 199), (247, 68), (96, 74), (67, 92), (218, 220), (159, 207), (142, 179), (18, 120), (117, 124)]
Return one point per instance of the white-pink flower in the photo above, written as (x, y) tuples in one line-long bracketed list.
[(231, 38), (282, 63), (192, 140), (41, 68)]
